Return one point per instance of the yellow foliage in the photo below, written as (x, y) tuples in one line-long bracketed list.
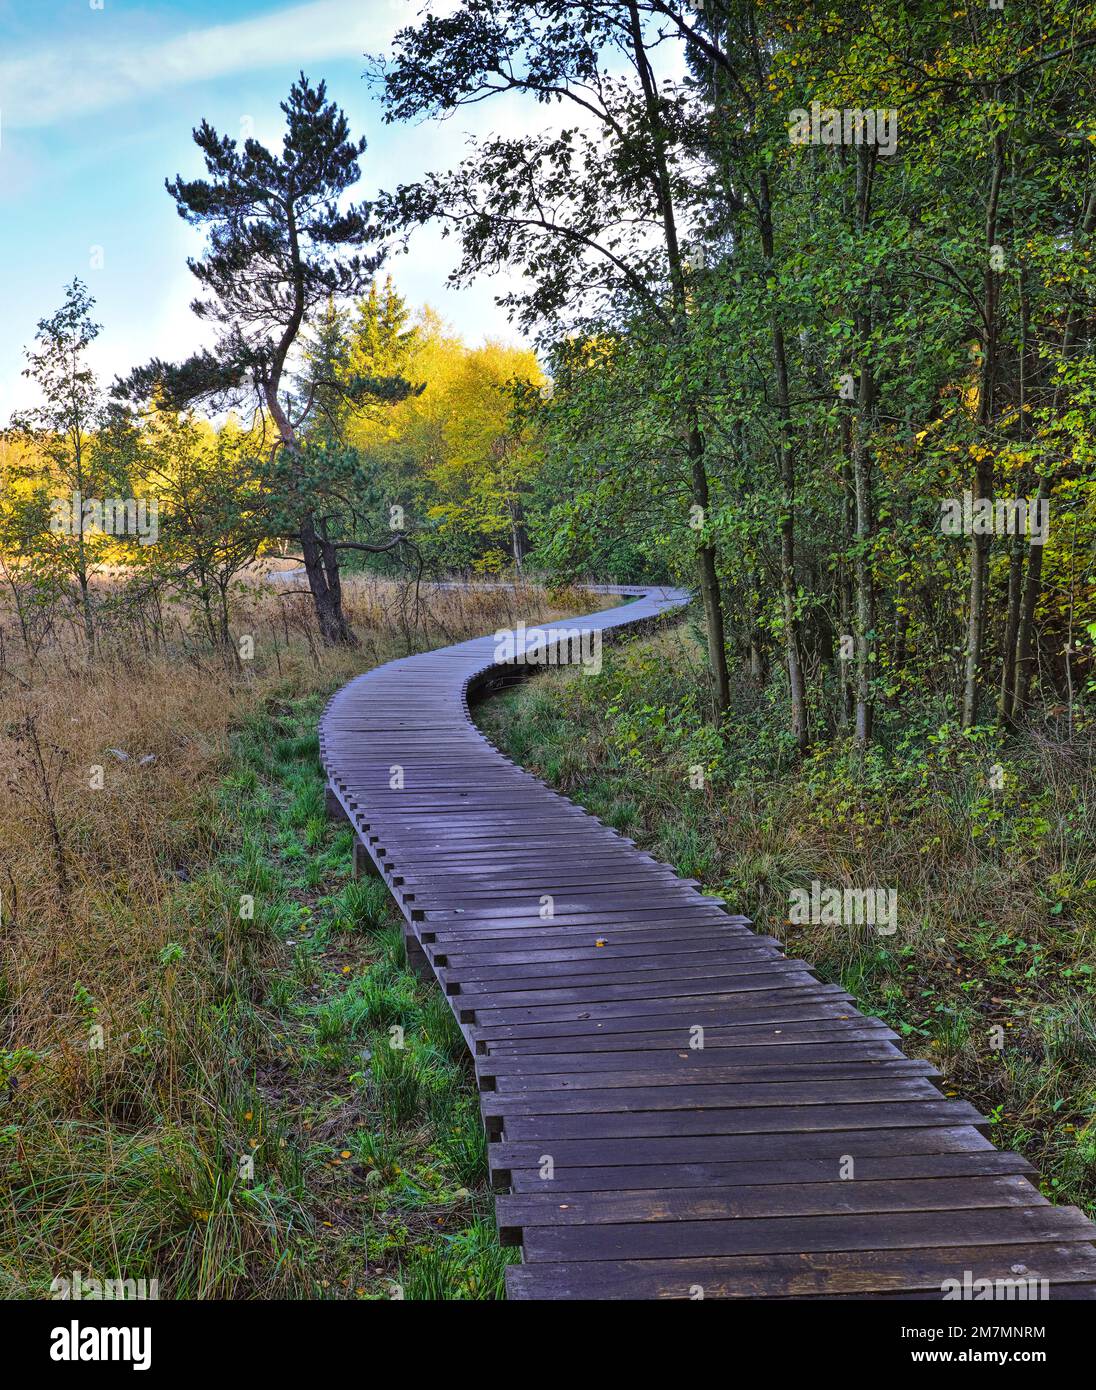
[(457, 433)]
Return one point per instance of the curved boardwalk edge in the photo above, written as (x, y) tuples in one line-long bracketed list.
[(673, 1108)]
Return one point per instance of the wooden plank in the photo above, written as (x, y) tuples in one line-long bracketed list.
[(542, 952), (724, 1096), (690, 1005), (538, 1086), (819, 1021), (684, 966), (753, 1202), (602, 1068), (818, 1274), (799, 1173), (620, 982), (890, 1230), (762, 1119), (758, 1149)]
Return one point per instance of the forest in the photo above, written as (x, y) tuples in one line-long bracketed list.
[(803, 300)]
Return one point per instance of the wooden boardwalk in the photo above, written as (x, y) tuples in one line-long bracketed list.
[(674, 1109)]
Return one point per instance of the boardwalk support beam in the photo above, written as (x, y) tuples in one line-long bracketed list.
[(333, 806)]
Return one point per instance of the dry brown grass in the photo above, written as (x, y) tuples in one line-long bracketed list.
[(109, 765), (114, 917)]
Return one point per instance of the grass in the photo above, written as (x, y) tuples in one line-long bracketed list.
[(320, 1136), (991, 973), (202, 1081), (357, 1061)]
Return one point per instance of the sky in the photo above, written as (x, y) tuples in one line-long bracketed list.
[(98, 99)]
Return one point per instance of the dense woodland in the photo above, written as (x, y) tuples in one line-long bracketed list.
[(802, 352), (812, 298)]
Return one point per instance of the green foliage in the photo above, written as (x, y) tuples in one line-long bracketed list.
[(792, 353)]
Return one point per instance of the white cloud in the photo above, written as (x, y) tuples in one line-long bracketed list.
[(74, 77)]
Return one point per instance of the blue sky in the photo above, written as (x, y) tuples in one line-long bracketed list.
[(97, 102)]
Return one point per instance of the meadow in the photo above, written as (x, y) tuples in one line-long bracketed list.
[(197, 992)]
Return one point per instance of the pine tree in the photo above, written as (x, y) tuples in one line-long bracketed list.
[(278, 252)]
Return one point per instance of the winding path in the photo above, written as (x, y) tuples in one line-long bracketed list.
[(674, 1109)]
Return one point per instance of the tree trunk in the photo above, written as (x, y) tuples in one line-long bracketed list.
[(710, 594), (663, 190), (518, 537), (983, 476), (321, 560), (1025, 642), (785, 460), (862, 489), (758, 663), (845, 601), (865, 591), (786, 465), (1007, 697), (1006, 700), (321, 567), (85, 604)]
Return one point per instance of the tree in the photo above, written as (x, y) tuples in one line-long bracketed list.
[(481, 481), (278, 251), (60, 433), (594, 221), (212, 518)]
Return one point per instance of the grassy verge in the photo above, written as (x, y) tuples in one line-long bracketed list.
[(216, 1070), (989, 845), (360, 1064), (295, 1115)]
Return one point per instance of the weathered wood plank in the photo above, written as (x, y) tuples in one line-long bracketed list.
[(854, 1196), (811, 1275), (653, 1240)]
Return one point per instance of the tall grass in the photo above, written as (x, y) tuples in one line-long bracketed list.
[(171, 893)]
